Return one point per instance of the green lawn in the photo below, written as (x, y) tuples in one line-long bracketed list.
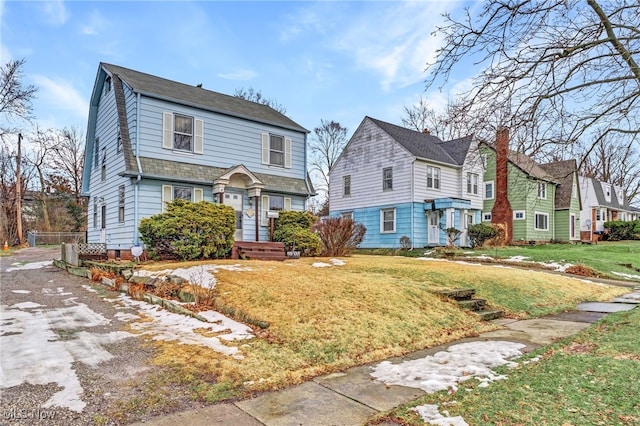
[(592, 378), (604, 257)]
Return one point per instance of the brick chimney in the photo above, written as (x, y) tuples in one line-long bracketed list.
[(426, 131), (501, 212)]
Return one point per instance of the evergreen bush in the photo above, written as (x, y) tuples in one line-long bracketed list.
[(480, 233), (188, 231)]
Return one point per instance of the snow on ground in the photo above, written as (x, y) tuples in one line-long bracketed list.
[(18, 266), (431, 415), (21, 291), (556, 266), (445, 369), (628, 276), (33, 353), (201, 275), (170, 326), (332, 262)]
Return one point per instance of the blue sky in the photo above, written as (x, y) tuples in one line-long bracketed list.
[(320, 60)]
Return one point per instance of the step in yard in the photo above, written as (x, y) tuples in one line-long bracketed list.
[(457, 293), (486, 315), (473, 304), (466, 300)]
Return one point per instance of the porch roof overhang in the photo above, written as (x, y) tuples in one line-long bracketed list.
[(447, 203)]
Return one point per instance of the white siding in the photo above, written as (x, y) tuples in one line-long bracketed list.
[(369, 151)]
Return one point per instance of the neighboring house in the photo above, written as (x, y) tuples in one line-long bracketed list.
[(602, 202), (534, 202), (399, 183), (152, 140)]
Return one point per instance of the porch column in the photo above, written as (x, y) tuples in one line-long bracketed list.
[(255, 193)]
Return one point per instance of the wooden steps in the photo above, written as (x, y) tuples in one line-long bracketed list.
[(258, 250), (466, 300)]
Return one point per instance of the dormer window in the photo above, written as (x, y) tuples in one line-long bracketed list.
[(107, 84)]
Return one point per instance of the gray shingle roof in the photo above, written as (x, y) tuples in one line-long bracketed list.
[(427, 146), (562, 172), (158, 87), (602, 201), (526, 164)]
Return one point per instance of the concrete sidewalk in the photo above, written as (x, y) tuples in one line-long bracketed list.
[(352, 396)]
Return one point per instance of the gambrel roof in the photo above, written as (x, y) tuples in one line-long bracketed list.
[(427, 146)]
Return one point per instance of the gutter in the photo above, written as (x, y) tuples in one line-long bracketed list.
[(136, 211)]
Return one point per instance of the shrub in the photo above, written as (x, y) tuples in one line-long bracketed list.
[(480, 233), (405, 242), (188, 231), (339, 236), (617, 230), (294, 229)]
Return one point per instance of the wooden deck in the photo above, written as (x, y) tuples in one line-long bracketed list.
[(262, 250)]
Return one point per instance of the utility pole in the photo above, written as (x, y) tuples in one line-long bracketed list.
[(19, 191)]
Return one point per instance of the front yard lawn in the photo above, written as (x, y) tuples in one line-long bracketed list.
[(325, 319)]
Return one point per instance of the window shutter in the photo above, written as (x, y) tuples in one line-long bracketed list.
[(197, 195), (198, 146), (265, 148), (167, 195), (167, 130), (287, 153), (265, 208), (287, 203)]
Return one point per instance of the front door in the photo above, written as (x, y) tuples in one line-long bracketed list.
[(434, 231), (103, 224), (235, 201)]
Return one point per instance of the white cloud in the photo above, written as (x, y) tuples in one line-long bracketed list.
[(62, 95), (55, 12), (239, 74), (96, 24)]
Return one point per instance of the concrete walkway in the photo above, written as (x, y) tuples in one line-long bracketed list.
[(352, 396)]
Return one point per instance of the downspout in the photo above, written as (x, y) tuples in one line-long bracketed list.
[(413, 184), (136, 212)]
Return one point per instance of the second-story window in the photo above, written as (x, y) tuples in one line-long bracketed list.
[(276, 150), (182, 132), (433, 177), (472, 183), (346, 186), (387, 179), (542, 190), (121, 204), (104, 164)]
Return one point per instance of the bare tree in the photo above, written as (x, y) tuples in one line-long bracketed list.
[(327, 143), (15, 98), (67, 158), (256, 96), (565, 69), (455, 121)]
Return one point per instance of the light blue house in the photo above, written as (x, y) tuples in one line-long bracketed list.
[(399, 183), (152, 140)]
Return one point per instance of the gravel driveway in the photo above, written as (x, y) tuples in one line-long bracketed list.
[(66, 354)]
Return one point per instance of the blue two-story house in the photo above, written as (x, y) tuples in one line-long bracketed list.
[(399, 183), (152, 140)]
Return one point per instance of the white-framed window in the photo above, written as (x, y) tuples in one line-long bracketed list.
[(347, 215), (119, 143), (182, 133), (276, 150), (95, 213), (272, 203), (472, 183), (346, 186), (433, 177), (597, 214), (121, 204), (387, 221), (519, 215), (541, 221), (183, 192), (103, 172), (468, 220), (486, 217), (107, 84), (387, 179), (542, 190), (96, 153), (488, 190)]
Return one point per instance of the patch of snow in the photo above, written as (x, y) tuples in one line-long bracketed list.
[(628, 276), (26, 305), (170, 326), (125, 317), (446, 369), (320, 265), (431, 415), (33, 265), (21, 291), (517, 258), (33, 353), (89, 288), (432, 259), (201, 275), (332, 262), (57, 292), (337, 262)]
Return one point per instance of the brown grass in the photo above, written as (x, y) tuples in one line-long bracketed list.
[(327, 319)]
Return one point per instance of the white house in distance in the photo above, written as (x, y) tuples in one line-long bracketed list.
[(152, 140), (399, 183), (602, 202)]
